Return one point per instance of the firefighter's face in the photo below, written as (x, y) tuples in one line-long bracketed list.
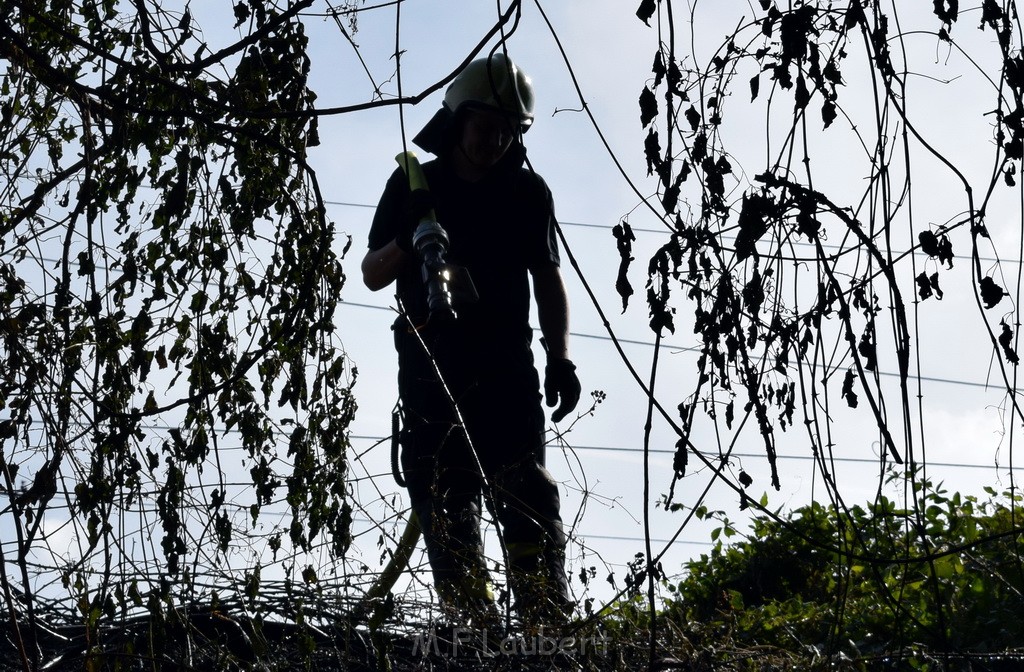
[(486, 136)]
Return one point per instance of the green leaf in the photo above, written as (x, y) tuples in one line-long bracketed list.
[(991, 293), (828, 112), (848, 393), (624, 238), (693, 117), (648, 107), (947, 10), (802, 96), (1006, 342), (646, 11), (755, 217)]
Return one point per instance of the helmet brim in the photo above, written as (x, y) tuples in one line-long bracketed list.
[(436, 135)]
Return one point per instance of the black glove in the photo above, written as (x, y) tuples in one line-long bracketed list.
[(420, 203), (561, 385)]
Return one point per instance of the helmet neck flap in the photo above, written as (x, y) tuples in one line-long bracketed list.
[(493, 82)]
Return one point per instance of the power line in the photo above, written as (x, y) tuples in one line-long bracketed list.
[(613, 537), (374, 524), (638, 229), (619, 449), (664, 451), (690, 348)]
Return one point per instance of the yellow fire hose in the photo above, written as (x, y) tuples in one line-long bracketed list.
[(375, 602)]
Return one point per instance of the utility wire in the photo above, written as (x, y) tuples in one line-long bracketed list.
[(677, 348), (584, 535), (634, 229), (690, 348), (665, 451), (621, 449)]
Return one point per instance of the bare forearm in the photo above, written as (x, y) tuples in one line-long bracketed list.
[(561, 384), (556, 334), (552, 311), (381, 267)]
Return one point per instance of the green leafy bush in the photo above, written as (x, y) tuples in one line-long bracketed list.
[(943, 575)]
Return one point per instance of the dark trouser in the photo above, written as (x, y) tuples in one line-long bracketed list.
[(501, 464)]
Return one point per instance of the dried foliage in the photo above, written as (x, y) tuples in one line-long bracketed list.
[(166, 311), (168, 280), (805, 280)]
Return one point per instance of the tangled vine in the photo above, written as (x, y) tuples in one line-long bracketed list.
[(169, 279)]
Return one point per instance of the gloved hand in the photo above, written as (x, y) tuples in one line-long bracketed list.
[(561, 386), (420, 203)]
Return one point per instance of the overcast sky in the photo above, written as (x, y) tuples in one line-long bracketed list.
[(611, 52), (958, 408)]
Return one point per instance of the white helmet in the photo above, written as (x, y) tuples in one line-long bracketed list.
[(493, 82)]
